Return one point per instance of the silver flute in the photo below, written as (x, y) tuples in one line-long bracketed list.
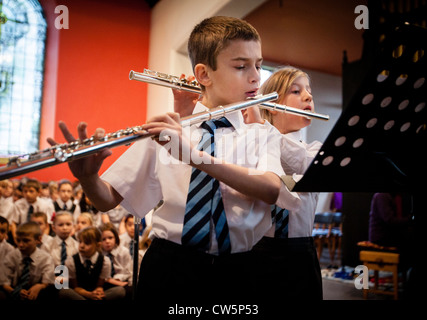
[(174, 82), (67, 152)]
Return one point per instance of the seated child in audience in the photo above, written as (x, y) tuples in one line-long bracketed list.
[(6, 199), (27, 272), (65, 199), (45, 192), (30, 203), (126, 238), (63, 245), (121, 260), (5, 247), (88, 270), (84, 220), (41, 219)]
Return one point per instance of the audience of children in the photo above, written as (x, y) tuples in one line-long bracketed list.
[(33, 213)]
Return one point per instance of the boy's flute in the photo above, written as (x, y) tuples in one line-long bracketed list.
[(66, 152), (167, 80)]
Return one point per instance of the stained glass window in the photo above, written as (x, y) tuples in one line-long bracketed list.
[(22, 51)]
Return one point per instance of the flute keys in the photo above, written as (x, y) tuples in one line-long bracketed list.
[(60, 155)]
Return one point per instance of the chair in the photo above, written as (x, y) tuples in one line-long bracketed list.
[(379, 258), (322, 231)]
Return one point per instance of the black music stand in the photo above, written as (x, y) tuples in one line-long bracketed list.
[(379, 143)]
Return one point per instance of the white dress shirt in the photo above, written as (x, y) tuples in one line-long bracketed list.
[(41, 268), (142, 178), (122, 262), (21, 206), (296, 157), (54, 246), (6, 208)]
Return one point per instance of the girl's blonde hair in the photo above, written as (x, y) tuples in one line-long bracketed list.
[(280, 81)]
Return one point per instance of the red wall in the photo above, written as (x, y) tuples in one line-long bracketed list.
[(87, 68)]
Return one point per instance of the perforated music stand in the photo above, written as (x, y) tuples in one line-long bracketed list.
[(379, 143)]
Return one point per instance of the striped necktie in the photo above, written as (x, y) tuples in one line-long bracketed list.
[(281, 220), (30, 212), (113, 271), (63, 252), (204, 201), (24, 279)]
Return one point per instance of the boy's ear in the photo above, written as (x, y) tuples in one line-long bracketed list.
[(201, 72)]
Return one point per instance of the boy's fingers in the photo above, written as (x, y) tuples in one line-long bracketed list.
[(66, 133), (81, 129)]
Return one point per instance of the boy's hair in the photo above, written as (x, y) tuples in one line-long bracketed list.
[(60, 214), (280, 81), (110, 227), (89, 235), (128, 216), (4, 220), (33, 183), (62, 182), (213, 35), (29, 228), (40, 214)]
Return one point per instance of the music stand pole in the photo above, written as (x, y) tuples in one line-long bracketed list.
[(135, 256)]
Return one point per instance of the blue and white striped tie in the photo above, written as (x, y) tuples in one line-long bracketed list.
[(24, 279), (281, 219), (204, 200)]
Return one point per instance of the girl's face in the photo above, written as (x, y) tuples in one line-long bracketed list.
[(82, 222), (108, 241), (298, 96), (65, 192), (87, 250)]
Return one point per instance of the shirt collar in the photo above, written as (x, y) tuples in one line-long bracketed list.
[(295, 135), (235, 118), (92, 259), (59, 240)]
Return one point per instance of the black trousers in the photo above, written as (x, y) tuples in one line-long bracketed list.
[(289, 268), (173, 273)]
